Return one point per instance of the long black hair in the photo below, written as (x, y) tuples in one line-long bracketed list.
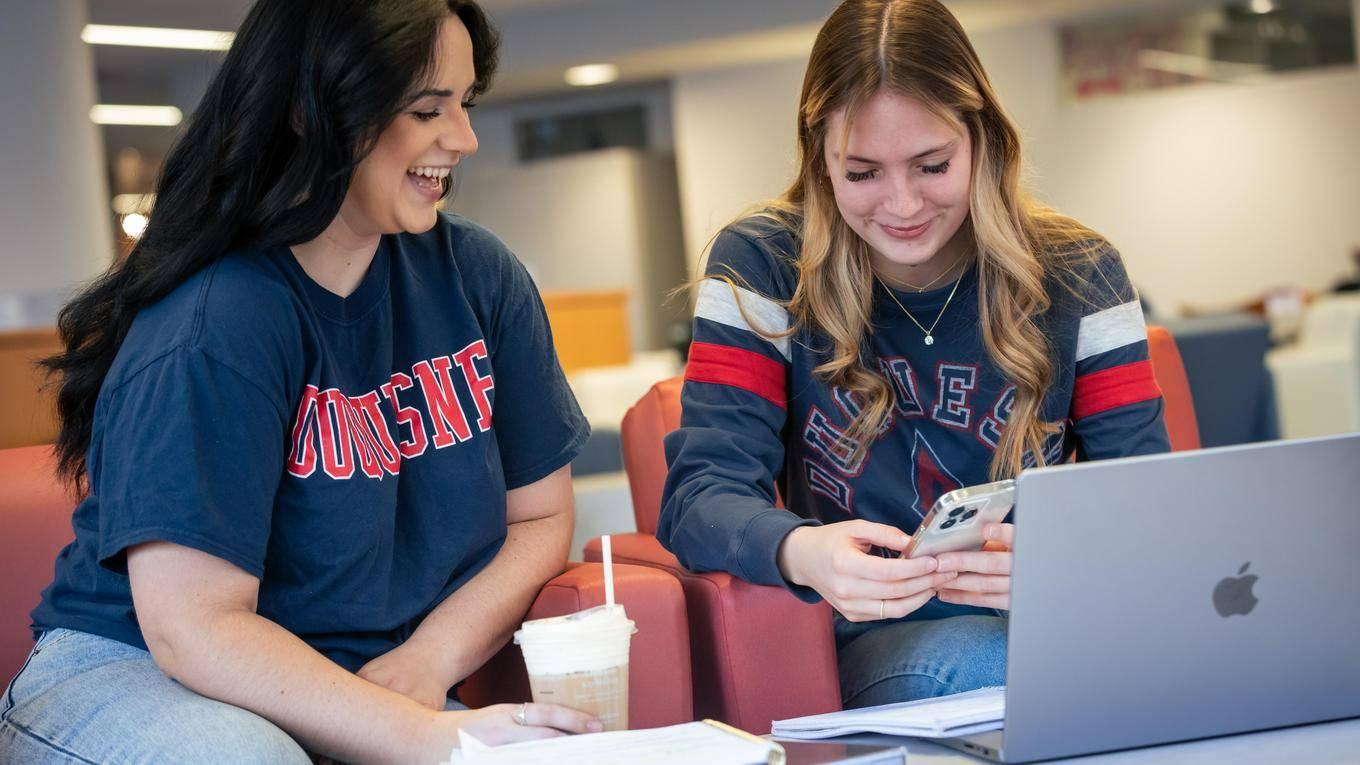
[(266, 159)]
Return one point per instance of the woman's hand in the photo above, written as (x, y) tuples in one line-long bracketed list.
[(835, 561), (410, 672), (496, 725), (984, 577)]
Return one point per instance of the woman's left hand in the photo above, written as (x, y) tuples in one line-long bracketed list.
[(984, 577), (408, 671)]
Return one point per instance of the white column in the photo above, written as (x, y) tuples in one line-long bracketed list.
[(55, 219)]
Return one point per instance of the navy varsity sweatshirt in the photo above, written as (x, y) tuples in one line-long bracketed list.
[(755, 417)]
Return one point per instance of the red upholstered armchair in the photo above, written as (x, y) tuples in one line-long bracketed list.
[(35, 514), (759, 653)]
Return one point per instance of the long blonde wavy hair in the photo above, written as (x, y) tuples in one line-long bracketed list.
[(918, 49)]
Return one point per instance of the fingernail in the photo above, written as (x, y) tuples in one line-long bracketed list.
[(944, 564), (932, 564), (594, 726), (990, 532)]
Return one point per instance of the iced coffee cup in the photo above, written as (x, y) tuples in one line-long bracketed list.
[(581, 661)]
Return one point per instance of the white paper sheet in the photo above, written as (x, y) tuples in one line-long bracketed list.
[(947, 716), (673, 745)]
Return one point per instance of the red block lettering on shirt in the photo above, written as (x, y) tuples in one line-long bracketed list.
[(479, 385), (302, 456), (376, 426), (337, 442), (349, 433), (407, 415), (450, 424)]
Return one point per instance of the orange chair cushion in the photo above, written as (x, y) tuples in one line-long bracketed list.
[(644, 457), (1181, 425)]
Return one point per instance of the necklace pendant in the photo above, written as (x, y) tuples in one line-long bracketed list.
[(930, 340)]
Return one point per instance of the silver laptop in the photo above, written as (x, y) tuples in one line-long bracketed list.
[(1182, 596)]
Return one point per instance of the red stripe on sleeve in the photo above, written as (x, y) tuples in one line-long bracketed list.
[(739, 368), (1114, 387)]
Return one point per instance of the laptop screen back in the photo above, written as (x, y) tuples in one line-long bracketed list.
[(1183, 596)]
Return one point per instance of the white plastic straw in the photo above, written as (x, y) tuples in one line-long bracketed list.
[(608, 572)]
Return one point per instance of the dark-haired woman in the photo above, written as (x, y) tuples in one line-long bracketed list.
[(302, 525)]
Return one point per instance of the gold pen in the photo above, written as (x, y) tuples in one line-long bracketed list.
[(777, 755)]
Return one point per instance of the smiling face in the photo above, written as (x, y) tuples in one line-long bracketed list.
[(398, 185), (903, 185)]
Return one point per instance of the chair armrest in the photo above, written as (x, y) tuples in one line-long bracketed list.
[(636, 549), (759, 653), (659, 691)]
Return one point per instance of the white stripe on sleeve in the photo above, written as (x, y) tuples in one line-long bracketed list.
[(1109, 329), (718, 303)]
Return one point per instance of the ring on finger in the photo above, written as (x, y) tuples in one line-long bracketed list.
[(521, 715)]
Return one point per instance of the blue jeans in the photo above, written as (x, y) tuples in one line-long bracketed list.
[(940, 649), (81, 698)]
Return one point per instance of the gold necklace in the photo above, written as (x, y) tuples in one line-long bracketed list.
[(929, 333), (932, 282)]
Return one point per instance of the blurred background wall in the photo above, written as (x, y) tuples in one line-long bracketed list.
[(1216, 193), (55, 225)]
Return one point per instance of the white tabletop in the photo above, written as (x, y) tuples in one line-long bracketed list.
[(1336, 743)]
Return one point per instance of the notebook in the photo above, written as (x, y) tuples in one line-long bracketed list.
[(944, 717), (709, 742)]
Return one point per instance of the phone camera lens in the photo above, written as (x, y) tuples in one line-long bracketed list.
[(955, 512), (972, 511), (949, 523)]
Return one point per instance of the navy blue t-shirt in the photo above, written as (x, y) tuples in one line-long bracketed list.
[(353, 453)]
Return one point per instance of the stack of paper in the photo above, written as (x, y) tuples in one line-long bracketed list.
[(943, 717), (704, 742)]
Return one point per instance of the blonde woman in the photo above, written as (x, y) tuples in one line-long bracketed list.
[(901, 322)]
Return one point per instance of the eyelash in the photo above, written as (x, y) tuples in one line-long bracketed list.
[(855, 177), (427, 116)]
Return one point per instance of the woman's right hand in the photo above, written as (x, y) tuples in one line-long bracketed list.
[(835, 561), (497, 724)]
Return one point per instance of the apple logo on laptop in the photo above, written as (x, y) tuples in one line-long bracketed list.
[(1233, 594)]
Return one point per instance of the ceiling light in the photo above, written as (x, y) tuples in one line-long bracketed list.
[(134, 225), (122, 114), (592, 74), (157, 37), (1262, 6)]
